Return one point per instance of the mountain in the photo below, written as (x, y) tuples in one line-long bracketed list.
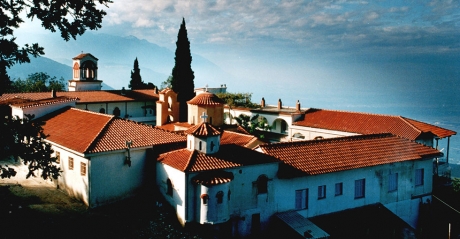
[(116, 60)]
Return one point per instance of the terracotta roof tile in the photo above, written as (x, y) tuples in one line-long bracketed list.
[(203, 129), (229, 137), (80, 56), (89, 132), (73, 128), (206, 98), (34, 103), (338, 154), (213, 178), (229, 156), (365, 123), (90, 96)]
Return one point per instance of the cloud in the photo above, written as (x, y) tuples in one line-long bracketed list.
[(308, 24)]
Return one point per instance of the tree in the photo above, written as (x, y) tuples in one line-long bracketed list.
[(136, 79), (38, 82), (182, 73), (71, 18), (23, 139), (254, 125), (238, 99)]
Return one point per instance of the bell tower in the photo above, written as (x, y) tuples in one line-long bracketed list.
[(84, 73)]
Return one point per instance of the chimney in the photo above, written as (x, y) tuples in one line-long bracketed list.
[(280, 104), (53, 94), (262, 103), (297, 106)]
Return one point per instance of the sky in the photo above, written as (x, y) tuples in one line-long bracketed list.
[(305, 46)]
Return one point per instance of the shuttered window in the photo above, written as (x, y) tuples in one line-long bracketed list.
[(338, 189), (393, 182), (419, 177), (322, 192), (301, 199), (360, 188)]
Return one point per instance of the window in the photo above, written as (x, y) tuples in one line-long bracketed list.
[(419, 177), (70, 163), (83, 169), (220, 196), (262, 181), (199, 145), (228, 195), (116, 111), (205, 198), (169, 187), (212, 145), (322, 192), (301, 199), (102, 110), (58, 157), (392, 182), (360, 186), (338, 189), (283, 126)]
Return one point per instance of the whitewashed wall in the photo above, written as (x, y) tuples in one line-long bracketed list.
[(41, 110), (177, 200), (133, 109), (112, 179)]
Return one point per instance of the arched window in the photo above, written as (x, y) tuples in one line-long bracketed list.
[(76, 71), (212, 145), (116, 111), (102, 110), (220, 196), (205, 198), (262, 182), (169, 189)]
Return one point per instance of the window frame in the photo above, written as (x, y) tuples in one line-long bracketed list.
[(301, 199), (321, 192), (360, 188), (82, 169), (70, 166), (419, 177), (339, 189), (393, 182)]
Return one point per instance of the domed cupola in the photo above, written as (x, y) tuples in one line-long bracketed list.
[(203, 137), (207, 103)]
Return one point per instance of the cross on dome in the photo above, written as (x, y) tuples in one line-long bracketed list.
[(204, 117)]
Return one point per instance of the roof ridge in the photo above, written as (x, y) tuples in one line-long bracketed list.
[(353, 112), (411, 125), (418, 121), (345, 138), (94, 140), (192, 157)]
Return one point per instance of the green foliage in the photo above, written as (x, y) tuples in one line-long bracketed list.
[(253, 124), (38, 82), (238, 100), (71, 18), (456, 185), (182, 73), (167, 83), (23, 139)]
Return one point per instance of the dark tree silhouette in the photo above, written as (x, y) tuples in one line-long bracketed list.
[(182, 73), (71, 18), (136, 79)]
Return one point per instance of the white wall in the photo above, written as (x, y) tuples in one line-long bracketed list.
[(399, 202), (177, 200), (41, 110), (133, 109), (112, 179), (311, 133)]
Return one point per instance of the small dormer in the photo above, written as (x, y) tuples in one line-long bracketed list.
[(203, 137), (84, 73)]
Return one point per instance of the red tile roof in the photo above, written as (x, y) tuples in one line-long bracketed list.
[(26, 103), (82, 55), (203, 129), (365, 123), (90, 96), (337, 154), (229, 137), (229, 156), (89, 132), (213, 178), (206, 98)]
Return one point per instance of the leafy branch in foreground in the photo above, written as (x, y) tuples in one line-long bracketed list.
[(24, 140)]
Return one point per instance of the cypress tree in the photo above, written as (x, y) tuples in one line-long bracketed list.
[(136, 79), (182, 73)]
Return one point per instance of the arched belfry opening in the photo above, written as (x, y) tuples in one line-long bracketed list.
[(84, 73)]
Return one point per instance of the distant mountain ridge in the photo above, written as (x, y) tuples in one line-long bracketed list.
[(116, 59)]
